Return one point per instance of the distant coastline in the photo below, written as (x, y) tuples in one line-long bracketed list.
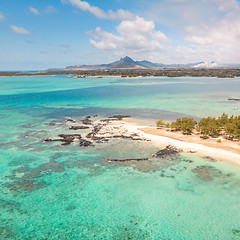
[(173, 72)]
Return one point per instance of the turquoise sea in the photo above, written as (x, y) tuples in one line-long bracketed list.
[(48, 191)]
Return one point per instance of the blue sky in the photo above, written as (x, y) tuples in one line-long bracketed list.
[(43, 34)]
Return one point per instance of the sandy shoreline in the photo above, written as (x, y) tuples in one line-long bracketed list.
[(226, 150), (103, 130)]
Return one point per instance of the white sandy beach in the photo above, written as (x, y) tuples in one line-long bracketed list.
[(200, 149)]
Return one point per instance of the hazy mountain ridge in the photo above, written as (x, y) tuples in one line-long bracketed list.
[(129, 63)]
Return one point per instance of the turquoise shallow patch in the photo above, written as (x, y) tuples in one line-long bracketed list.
[(52, 192)]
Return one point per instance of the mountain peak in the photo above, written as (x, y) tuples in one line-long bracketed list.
[(127, 60)]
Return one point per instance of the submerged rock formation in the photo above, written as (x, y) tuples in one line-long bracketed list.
[(119, 117), (65, 138), (127, 160), (85, 143), (78, 127), (169, 151), (207, 173)]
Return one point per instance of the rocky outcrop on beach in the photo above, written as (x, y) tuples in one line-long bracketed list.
[(101, 131), (87, 122), (167, 152), (69, 119)]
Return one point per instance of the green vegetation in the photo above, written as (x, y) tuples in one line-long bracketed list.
[(167, 72), (186, 125), (161, 123), (209, 126), (226, 126)]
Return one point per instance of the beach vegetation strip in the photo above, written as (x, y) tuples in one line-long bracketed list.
[(228, 127)]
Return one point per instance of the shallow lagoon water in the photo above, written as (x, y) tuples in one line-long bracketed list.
[(49, 191)]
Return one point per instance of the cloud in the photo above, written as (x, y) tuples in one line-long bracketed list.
[(47, 10), (225, 6), (207, 65), (98, 12), (2, 17), (135, 37), (19, 30), (221, 39), (34, 11)]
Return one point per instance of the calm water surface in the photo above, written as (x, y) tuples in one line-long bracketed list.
[(49, 191)]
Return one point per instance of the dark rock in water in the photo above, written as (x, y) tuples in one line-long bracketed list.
[(87, 122), (95, 130), (188, 161), (85, 143), (65, 138), (97, 138), (90, 135), (210, 159), (120, 117), (78, 127), (68, 137), (207, 173), (127, 160), (101, 140), (52, 140), (68, 119), (52, 124), (169, 151), (96, 115)]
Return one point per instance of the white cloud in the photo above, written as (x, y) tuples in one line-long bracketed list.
[(135, 38), (2, 17), (48, 10), (34, 11), (225, 6), (98, 12), (19, 30), (207, 65), (214, 34), (220, 40)]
